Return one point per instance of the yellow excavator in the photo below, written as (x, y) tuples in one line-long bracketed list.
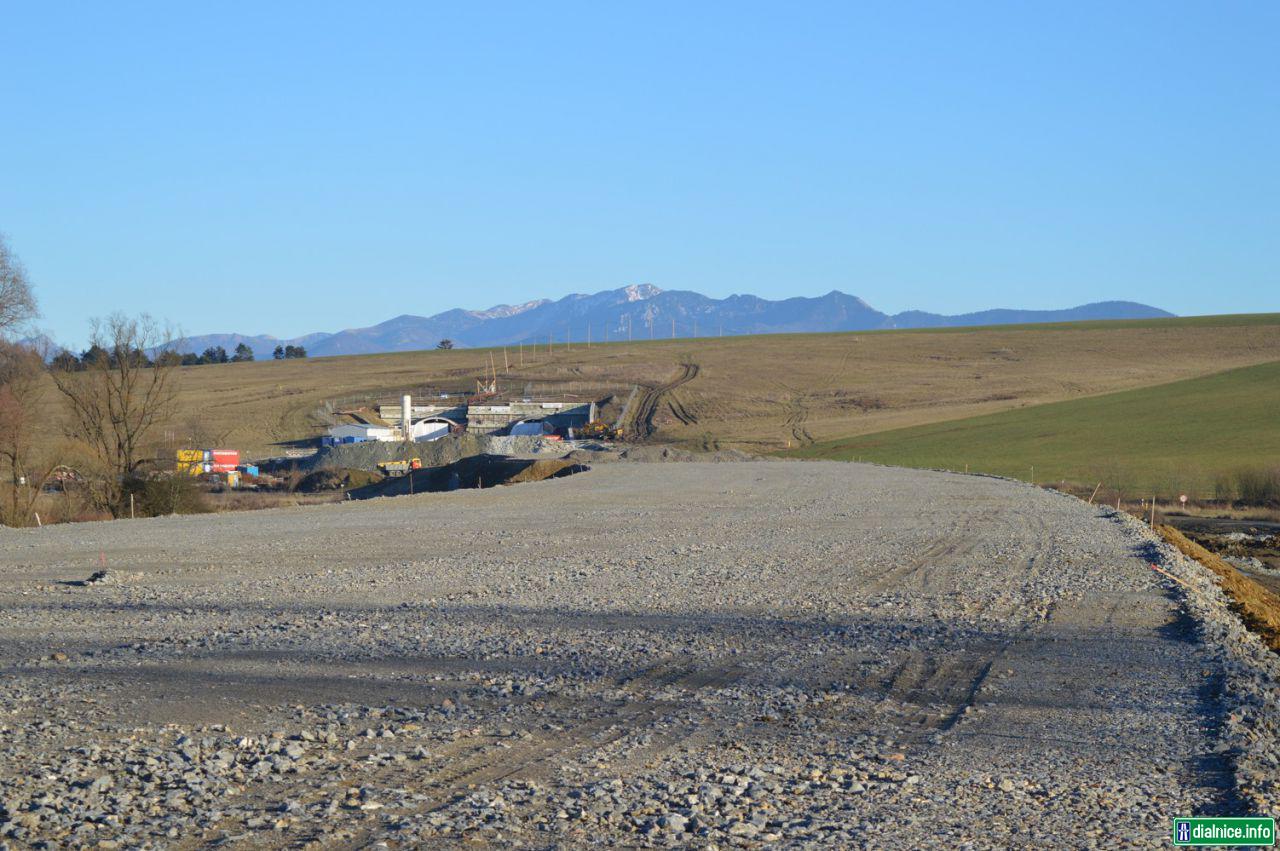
[(598, 430)]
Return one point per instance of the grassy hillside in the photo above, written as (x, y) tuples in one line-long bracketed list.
[(762, 393), (1221, 320), (1167, 439)]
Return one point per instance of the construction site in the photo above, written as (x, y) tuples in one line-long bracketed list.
[(494, 408), (565, 630)]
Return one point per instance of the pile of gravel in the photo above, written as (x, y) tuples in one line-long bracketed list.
[(367, 455)]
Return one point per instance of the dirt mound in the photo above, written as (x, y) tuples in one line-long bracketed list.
[(338, 479), (539, 470), (1258, 607), (477, 471)]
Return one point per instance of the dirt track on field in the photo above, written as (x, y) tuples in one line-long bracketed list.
[(640, 421)]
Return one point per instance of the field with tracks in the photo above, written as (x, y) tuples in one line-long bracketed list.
[(762, 393)]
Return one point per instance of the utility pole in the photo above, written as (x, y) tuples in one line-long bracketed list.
[(588, 335), (522, 354), (548, 342), (673, 327), (506, 367)]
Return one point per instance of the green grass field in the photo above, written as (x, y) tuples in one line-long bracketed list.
[(1165, 439), (1214, 320)]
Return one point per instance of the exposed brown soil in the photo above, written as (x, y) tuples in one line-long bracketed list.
[(341, 479), (1258, 607)]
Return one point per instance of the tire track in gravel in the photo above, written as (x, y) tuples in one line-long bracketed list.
[(937, 689), (942, 685), (958, 542), (597, 725), (612, 723)]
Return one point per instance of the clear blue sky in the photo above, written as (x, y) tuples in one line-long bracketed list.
[(285, 168)]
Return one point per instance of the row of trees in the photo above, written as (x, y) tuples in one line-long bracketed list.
[(242, 354), (71, 362), (96, 354), (217, 354), (110, 403)]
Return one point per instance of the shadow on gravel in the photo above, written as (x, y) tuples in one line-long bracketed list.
[(305, 653), (1217, 767)]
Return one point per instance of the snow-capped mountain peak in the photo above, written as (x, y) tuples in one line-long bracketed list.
[(640, 292), (500, 310)]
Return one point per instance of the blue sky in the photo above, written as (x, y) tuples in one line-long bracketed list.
[(285, 168)]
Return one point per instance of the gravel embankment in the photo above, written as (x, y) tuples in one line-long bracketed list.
[(789, 654)]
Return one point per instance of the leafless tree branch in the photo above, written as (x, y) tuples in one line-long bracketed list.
[(17, 304)]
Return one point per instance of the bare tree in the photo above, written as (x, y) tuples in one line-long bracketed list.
[(17, 304), (117, 398), (24, 468), (21, 383)]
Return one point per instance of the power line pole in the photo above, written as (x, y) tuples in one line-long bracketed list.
[(673, 327)]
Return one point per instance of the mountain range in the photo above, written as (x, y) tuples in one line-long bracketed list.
[(639, 312)]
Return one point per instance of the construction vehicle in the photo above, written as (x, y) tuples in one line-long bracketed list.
[(395, 469), (598, 430)]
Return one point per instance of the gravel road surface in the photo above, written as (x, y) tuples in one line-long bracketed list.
[(806, 654)]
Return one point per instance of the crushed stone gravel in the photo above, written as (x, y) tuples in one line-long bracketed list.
[(656, 655)]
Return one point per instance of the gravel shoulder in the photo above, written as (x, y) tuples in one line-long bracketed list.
[(795, 654)]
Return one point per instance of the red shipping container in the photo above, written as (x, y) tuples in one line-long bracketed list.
[(226, 456), (215, 467)]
